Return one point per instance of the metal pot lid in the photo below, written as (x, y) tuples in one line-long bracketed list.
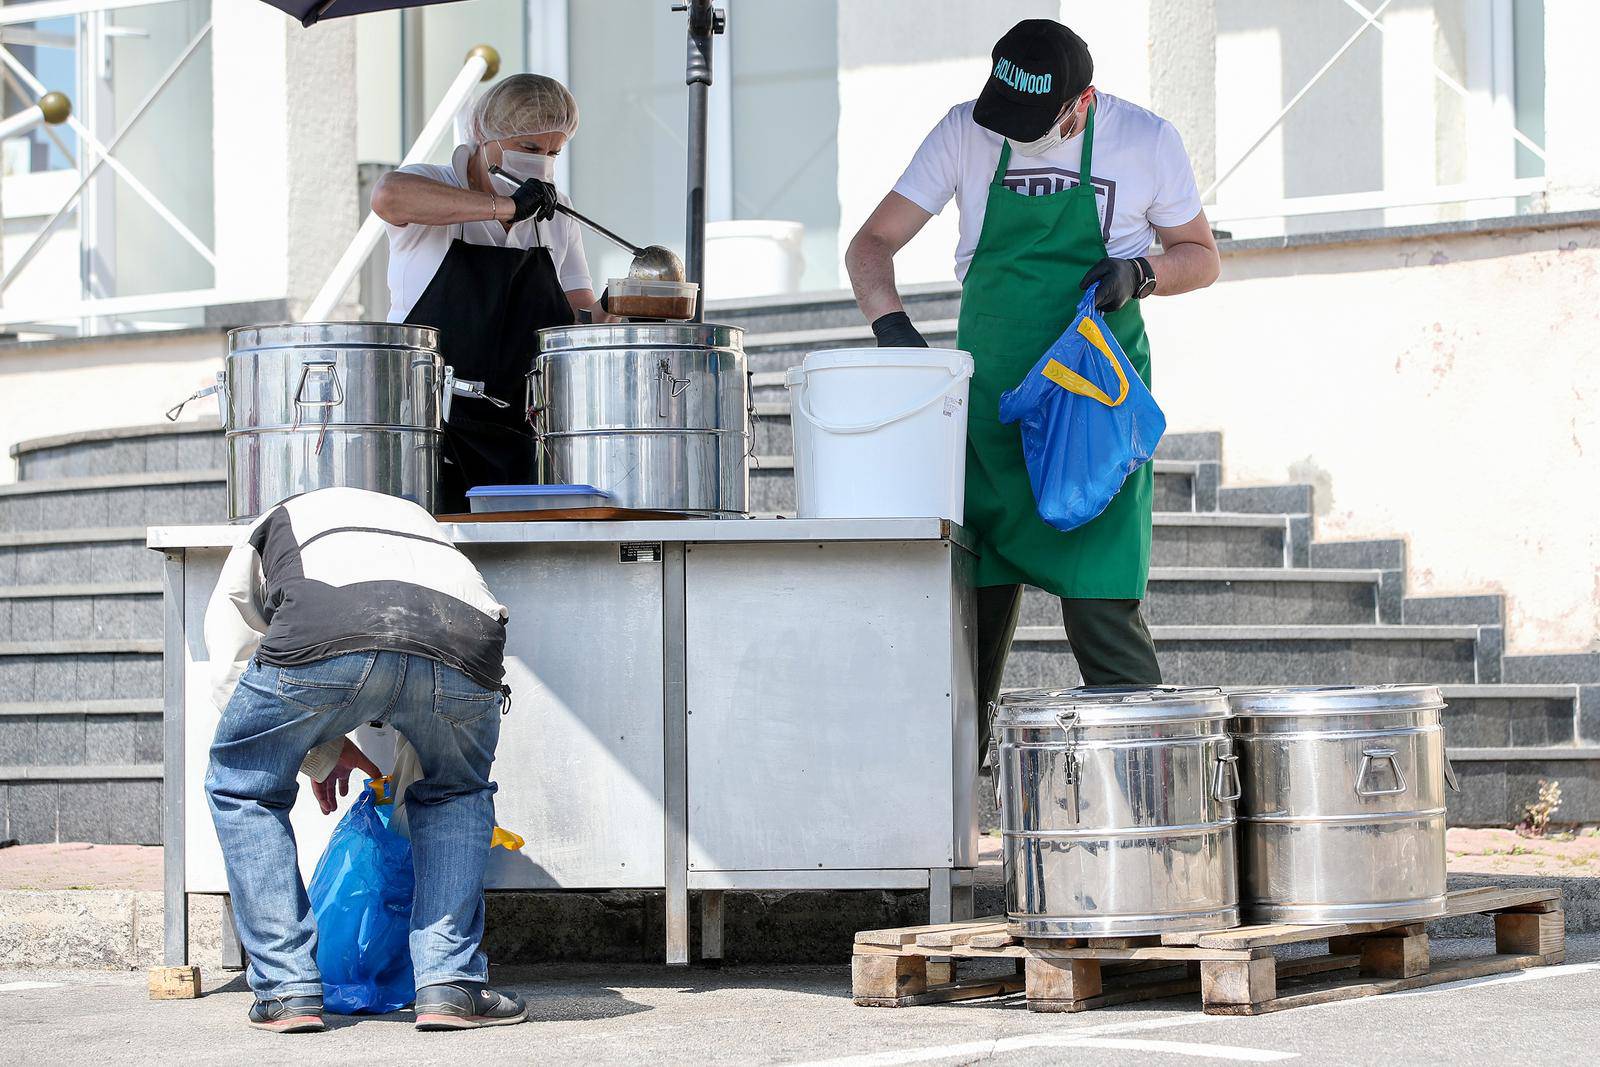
[(1113, 706), (1334, 699), (333, 335), (613, 335)]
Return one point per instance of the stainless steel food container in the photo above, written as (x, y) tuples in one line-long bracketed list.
[(1343, 813), (656, 414), (311, 405), (1117, 811)]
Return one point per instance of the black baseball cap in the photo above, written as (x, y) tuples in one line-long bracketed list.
[(1039, 65)]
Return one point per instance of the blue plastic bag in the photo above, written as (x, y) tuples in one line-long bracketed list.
[(361, 901), (1087, 420)]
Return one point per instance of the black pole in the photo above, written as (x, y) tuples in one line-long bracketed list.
[(705, 22)]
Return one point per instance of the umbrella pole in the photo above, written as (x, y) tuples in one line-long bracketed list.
[(704, 23)]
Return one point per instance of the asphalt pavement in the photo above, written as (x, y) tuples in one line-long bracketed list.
[(596, 1015)]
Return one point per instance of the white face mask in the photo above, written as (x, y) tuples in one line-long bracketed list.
[(1052, 139), (525, 166)]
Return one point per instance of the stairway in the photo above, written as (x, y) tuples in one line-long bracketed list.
[(1240, 594)]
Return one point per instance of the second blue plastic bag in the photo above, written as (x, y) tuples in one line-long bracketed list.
[(361, 900), (1087, 420)]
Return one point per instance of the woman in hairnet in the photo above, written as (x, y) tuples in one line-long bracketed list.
[(488, 264)]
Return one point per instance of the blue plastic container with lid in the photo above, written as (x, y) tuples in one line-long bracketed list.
[(492, 498)]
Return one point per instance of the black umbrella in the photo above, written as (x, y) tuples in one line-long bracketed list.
[(309, 11)]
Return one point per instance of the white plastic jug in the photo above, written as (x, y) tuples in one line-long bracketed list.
[(880, 432)]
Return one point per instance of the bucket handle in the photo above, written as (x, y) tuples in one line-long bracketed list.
[(1227, 767), (804, 404), (1370, 756)]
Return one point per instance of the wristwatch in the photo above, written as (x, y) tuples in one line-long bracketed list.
[(1147, 278)]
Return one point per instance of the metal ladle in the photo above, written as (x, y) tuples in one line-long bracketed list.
[(651, 263)]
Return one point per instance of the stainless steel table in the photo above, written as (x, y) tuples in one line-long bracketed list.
[(700, 705)]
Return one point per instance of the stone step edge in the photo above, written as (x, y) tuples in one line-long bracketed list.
[(145, 706), (115, 433), (1509, 691), (1163, 518), (93, 482), (781, 302), (820, 334), (83, 647), (51, 592), (1511, 753), (87, 535), (81, 772), (1162, 466), (1335, 632)]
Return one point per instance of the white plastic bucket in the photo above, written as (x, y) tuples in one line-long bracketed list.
[(880, 432)]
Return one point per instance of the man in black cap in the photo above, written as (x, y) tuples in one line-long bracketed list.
[(1059, 187)]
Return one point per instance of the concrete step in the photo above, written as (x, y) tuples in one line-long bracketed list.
[(1184, 539), (64, 612), (118, 805), (1217, 596), (80, 733), (58, 557), (1497, 784), (85, 669), (778, 351), (762, 315), (1579, 668), (114, 500), (154, 448), (772, 484), (1271, 655), (1520, 716)]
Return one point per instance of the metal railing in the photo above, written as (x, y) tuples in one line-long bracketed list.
[(1293, 207), (98, 155)]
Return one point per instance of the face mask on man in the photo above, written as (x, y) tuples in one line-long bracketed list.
[(1053, 138)]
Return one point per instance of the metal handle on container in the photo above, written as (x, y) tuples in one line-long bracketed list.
[(1450, 774), (670, 389), (320, 366), (1068, 721), (1227, 766), (1370, 756), (217, 388), (533, 398)]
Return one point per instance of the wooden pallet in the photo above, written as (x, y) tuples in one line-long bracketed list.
[(1234, 971)]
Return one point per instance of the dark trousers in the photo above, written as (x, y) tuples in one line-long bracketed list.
[(1108, 637)]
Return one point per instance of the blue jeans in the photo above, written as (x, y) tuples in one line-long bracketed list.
[(275, 717)]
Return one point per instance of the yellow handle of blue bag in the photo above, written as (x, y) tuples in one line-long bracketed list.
[(1073, 382)]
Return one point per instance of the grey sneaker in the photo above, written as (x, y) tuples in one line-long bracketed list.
[(467, 1006), (288, 1015)]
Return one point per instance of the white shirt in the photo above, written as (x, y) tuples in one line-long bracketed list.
[(1142, 175), (415, 251)]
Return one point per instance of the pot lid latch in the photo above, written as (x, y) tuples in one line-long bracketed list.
[(671, 388), (1068, 721)]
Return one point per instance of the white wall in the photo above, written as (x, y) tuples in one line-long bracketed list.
[(1443, 390)]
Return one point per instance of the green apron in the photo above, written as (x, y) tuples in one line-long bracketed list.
[(1020, 293)]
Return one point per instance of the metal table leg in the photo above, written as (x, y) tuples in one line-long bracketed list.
[(711, 927), (175, 932), (940, 894), (675, 785), (232, 950)]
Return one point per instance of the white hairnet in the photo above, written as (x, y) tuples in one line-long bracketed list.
[(522, 105)]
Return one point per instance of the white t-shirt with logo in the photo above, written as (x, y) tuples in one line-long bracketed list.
[(1142, 175), (416, 250)]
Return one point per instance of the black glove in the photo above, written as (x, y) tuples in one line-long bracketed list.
[(535, 200), (1119, 280), (894, 330)]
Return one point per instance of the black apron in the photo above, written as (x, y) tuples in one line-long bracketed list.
[(488, 303)]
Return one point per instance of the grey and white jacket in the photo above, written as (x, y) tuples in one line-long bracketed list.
[(347, 570)]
